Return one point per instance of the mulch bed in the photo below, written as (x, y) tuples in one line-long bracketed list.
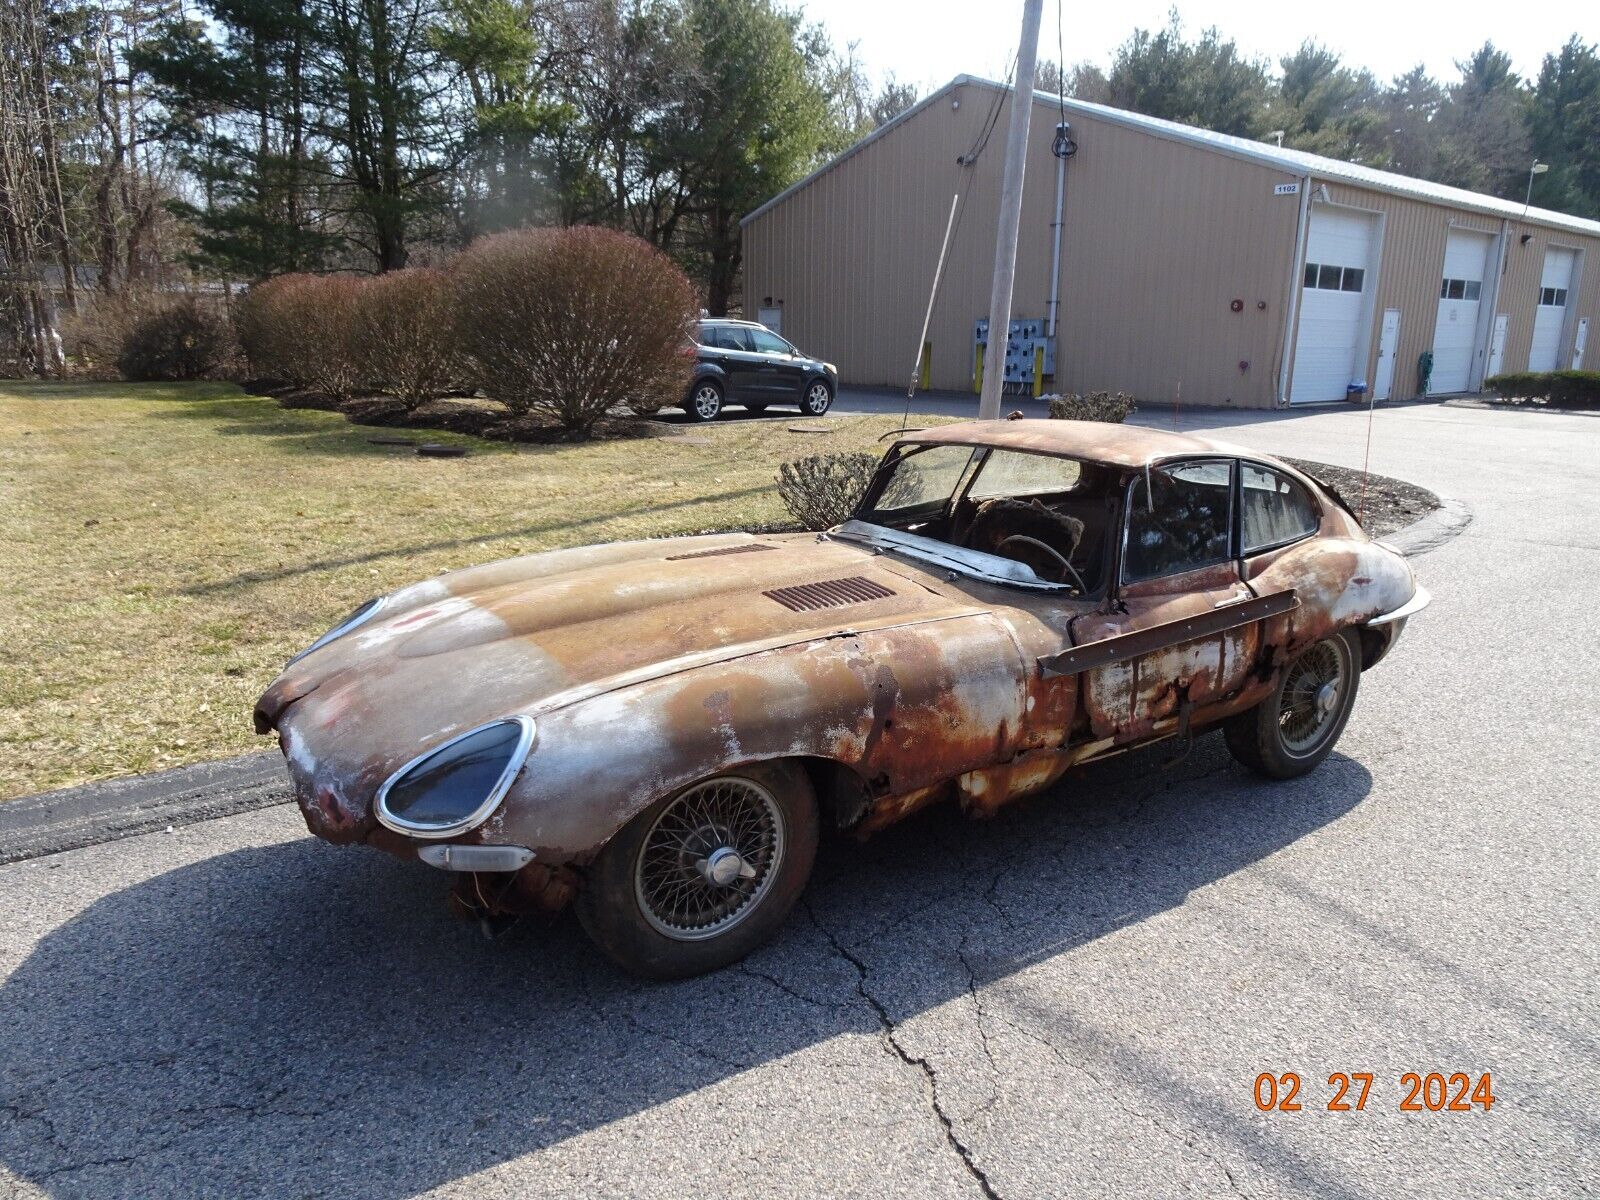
[(457, 413), (1388, 505), (1529, 404), (1385, 504)]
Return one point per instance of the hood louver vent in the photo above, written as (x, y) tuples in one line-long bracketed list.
[(750, 548), (830, 593)]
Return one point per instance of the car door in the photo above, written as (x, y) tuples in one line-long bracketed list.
[(1183, 629), (781, 374), (739, 362)]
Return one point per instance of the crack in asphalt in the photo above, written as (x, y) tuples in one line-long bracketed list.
[(266, 1107), (1183, 1137), (891, 1043), (744, 968), (638, 1026), (980, 1018)]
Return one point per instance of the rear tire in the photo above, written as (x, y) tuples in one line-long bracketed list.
[(665, 900), (705, 400), (1297, 726)]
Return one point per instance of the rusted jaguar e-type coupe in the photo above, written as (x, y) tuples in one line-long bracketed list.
[(659, 729)]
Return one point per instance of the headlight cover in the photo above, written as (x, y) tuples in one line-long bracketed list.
[(456, 785), (360, 616)]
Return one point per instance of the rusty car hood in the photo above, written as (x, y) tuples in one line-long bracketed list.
[(528, 635)]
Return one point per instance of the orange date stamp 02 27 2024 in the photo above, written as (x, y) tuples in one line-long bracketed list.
[(1432, 1091)]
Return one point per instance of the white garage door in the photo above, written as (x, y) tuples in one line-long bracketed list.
[(1340, 252), (1550, 318), (1455, 332)]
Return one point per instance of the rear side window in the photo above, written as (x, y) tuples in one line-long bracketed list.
[(724, 337), (1180, 521), (1275, 509)]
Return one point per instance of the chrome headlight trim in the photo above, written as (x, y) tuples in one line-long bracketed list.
[(477, 816), (361, 616)]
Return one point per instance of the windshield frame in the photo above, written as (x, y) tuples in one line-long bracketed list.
[(991, 568)]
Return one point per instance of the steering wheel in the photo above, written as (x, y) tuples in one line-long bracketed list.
[(1066, 564)]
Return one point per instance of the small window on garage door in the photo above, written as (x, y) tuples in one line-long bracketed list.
[(1326, 277), (1274, 509), (1181, 521)]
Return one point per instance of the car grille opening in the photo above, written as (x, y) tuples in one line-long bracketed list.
[(749, 548), (829, 593)]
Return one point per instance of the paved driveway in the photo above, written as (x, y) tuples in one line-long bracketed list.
[(1073, 999)]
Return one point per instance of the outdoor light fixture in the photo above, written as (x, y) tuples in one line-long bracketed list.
[(1538, 168)]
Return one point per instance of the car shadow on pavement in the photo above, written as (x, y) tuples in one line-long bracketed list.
[(735, 412), (297, 1019)]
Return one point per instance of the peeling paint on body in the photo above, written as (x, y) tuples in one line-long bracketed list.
[(647, 666)]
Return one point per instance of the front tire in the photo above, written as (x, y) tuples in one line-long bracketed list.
[(818, 398), (701, 878), (1296, 727), (705, 400)]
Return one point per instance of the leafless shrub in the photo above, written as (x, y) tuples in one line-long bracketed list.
[(95, 334), (822, 490), (1096, 406), (265, 318), (141, 334), (403, 334), (567, 323), (182, 337), (303, 329)]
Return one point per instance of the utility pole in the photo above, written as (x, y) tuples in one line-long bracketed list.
[(1005, 240)]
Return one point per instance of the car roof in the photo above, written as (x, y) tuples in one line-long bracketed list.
[(730, 321), (1127, 446)]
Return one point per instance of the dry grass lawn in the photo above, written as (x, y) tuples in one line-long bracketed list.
[(166, 548)]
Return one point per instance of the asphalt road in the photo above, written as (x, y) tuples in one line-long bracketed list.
[(1074, 999)]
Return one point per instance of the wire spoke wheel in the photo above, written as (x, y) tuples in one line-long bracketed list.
[(709, 859), (1309, 705)]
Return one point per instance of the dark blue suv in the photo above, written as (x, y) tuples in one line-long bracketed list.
[(740, 362)]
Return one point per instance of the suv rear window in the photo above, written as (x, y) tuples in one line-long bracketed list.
[(724, 337)]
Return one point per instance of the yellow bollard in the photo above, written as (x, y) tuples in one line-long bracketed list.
[(1038, 371), (925, 371), (977, 370)]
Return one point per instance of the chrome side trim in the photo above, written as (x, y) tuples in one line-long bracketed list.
[(477, 816), (1419, 601), (361, 616)]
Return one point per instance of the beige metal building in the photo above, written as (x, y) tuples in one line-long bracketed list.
[(1240, 272)]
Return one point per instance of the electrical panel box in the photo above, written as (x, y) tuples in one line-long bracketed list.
[(1026, 337)]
